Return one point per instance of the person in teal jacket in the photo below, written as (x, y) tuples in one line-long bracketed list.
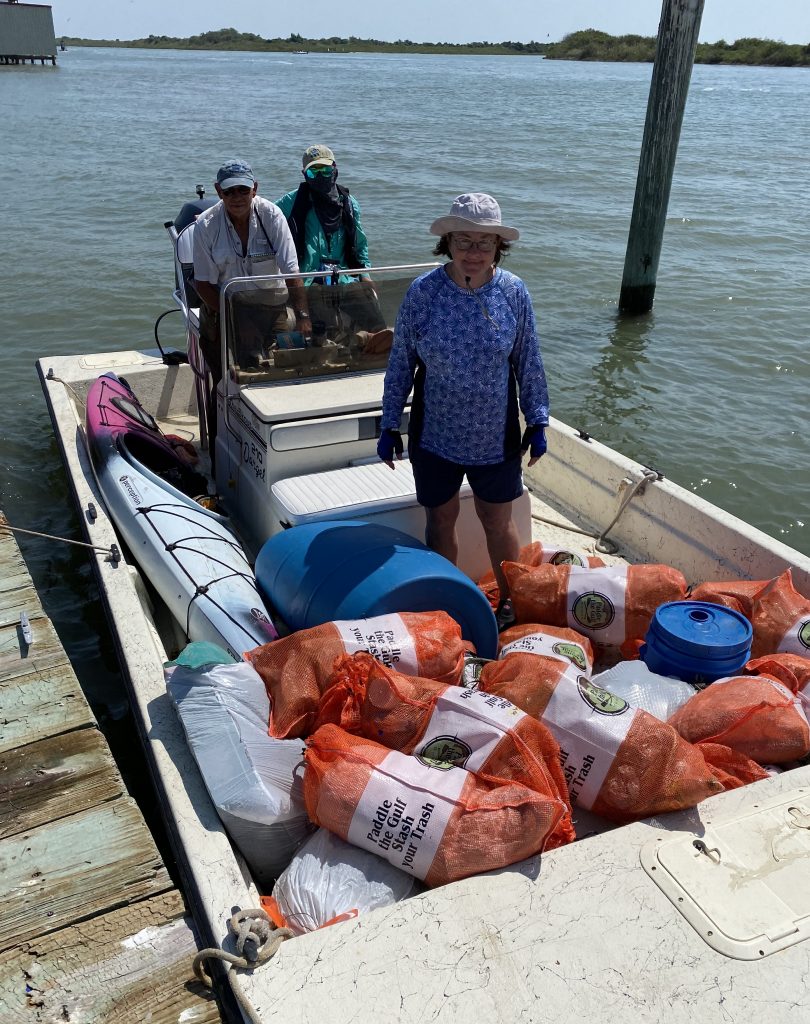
[(324, 220)]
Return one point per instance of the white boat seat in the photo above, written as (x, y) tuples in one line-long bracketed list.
[(349, 493)]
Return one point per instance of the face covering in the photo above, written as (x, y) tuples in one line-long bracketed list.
[(326, 201)]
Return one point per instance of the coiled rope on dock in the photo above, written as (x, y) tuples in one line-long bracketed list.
[(258, 940)]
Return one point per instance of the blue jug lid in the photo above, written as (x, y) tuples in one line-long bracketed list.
[(700, 628)]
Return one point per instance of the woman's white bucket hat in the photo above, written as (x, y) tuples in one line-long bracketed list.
[(474, 211)]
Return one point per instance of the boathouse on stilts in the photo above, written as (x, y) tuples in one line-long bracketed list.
[(26, 33)]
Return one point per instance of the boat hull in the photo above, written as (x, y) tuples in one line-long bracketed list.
[(583, 934)]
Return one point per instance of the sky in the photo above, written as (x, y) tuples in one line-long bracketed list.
[(422, 20)]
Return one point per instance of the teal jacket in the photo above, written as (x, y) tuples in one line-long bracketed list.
[(317, 246)]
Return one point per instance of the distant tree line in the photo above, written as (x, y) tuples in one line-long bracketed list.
[(593, 45), (230, 39), (589, 44)]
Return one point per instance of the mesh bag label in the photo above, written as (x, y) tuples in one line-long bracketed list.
[(384, 637), (404, 810), (550, 647), (465, 728), (596, 603), (797, 638), (590, 724)]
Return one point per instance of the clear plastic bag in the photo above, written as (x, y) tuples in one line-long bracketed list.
[(659, 695), (328, 880)]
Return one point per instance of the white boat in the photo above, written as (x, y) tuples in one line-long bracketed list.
[(703, 914)]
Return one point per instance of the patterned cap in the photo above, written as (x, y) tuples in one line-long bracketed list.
[(320, 156), (235, 172)]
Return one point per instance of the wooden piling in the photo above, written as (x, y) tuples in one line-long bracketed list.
[(674, 57), (91, 925)]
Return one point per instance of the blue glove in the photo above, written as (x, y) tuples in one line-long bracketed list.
[(390, 443), (534, 441)]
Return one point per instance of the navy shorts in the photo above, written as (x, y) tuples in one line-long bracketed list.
[(438, 480)]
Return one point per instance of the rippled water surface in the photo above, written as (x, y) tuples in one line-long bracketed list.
[(711, 387)]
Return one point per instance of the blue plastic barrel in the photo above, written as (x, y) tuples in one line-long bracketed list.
[(346, 569), (697, 641)]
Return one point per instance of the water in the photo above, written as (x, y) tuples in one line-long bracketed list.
[(711, 387)]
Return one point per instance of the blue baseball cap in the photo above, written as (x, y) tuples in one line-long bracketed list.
[(235, 172)]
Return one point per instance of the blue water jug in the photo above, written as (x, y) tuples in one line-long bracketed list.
[(346, 569), (697, 641)]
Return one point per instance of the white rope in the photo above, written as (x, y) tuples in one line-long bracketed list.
[(603, 544), (51, 536), (257, 941)]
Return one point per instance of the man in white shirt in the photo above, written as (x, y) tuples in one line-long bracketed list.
[(244, 235)]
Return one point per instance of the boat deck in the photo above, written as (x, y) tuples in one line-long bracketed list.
[(550, 524), (91, 925)]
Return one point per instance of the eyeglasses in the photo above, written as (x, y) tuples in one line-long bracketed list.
[(464, 244), (325, 172), (237, 190)]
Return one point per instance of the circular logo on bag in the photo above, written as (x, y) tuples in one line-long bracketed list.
[(593, 611), (804, 633), (602, 701), (573, 652), (566, 558), (444, 752)]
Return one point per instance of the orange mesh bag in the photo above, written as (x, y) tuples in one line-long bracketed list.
[(610, 605), (296, 669), (435, 821), (557, 643), (731, 768), (754, 715), (619, 761), (736, 594), (477, 731), (791, 669), (344, 697), (537, 553), (781, 619)]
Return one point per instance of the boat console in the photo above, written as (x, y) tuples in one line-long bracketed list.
[(298, 417)]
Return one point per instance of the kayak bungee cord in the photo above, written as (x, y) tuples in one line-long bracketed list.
[(183, 545)]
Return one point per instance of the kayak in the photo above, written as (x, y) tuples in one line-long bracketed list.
[(188, 553)]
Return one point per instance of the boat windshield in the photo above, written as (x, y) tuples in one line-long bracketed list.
[(351, 312)]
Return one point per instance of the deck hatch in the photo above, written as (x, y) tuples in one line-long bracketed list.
[(744, 884)]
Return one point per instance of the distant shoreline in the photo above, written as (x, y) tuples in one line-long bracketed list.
[(588, 45)]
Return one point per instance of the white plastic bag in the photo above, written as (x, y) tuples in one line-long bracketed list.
[(329, 880), (660, 695), (254, 781)]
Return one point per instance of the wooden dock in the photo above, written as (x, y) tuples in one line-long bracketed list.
[(92, 928)]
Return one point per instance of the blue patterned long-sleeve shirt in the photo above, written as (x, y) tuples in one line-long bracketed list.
[(467, 349)]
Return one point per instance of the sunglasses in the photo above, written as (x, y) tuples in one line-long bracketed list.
[(324, 172), (237, 190), (464, 244)]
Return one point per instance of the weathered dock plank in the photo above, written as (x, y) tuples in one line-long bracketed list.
[(39, 700), (16, 592), (127, 967), (17, 657), (76, 868), (91, 929), (54, 777)]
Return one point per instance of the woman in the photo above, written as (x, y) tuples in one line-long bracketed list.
[(465, 340)]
